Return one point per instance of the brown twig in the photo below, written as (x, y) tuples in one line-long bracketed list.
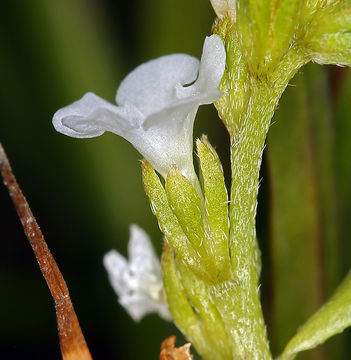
[(72, 342)]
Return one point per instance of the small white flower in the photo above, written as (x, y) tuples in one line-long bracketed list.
[(156, 107), (138, 282), (223, 7)]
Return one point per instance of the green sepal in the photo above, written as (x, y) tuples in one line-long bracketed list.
[(284, 20), (198, 294), (189, 210), (216, 204), (332, 318), (253, 21), (168, 223), (328, 38), (235, 98), (187, 206), (311, 7), (182, 312)]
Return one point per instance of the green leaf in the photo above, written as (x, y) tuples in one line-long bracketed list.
[(332, 318)]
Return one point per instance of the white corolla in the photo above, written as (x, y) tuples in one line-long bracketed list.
[(137, 281), (157, 104)]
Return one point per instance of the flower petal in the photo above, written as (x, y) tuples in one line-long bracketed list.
[(210, 73), (151, 86), (171, 138), (139, 305), (91, 116), (157, 109), (144, 264), (173, 125), (138, 283), (116, 265), (141, 253)]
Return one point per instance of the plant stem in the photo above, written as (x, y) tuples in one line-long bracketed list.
[(246, 156), (238, 300)]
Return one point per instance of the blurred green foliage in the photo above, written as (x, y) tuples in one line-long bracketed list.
[(85, 193), (309, 178)]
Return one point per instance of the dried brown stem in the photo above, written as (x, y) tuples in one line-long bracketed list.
[(170, 352), (72, 342)]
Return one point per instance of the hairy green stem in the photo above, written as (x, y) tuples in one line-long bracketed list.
[(246, 154), (238, 301)]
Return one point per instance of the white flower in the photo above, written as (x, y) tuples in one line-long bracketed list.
[(223, 7), (157, 107), (138, 282)]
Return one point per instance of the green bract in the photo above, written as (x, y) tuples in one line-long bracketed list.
[(284, 20), (182, 312), (195, 223), (253, 22), (235, 81), (216, 206), (193, 310), (187, 207), (169, 224), (328, 36)]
